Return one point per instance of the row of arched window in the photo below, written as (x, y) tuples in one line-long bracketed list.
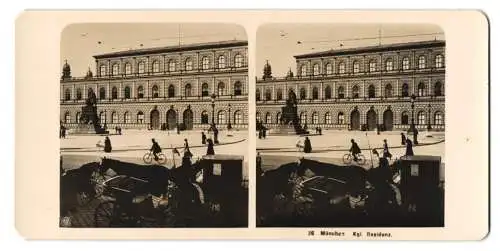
[(420, 119), (371, 66), (170, 66), (371, 92), (155, 91), (139, 118)]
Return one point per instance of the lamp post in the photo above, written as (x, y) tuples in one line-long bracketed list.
[(429, 119), (412, 126), (212, 99), (229, 118)]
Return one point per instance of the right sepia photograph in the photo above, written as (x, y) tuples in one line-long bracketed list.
[(350, 125)]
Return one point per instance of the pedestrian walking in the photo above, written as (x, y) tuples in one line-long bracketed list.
[(307, 145), (210, 148), (203, 138), (63, 132), (409, 147), (386, 153), (187, 152), (107, 145), (403, 139), (264, 129), (216, 135), (259, 165), (415, 136)]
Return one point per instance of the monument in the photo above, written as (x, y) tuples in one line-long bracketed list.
[(289, 120), (89, 120)]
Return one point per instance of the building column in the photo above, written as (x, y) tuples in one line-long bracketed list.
[(133, 91), (321, 91), (273, 97), (380, 89), (347, 89), (397, 91), (120, 90), (213, 86), (84, 92), (309, 91)]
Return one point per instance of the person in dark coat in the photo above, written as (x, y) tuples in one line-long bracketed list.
[(216, 135), (259, 165), (415, 136), (107, 145), (403, 139), (307, 145), (409, 147), (187, 152), (386, 154), (355, 150), (203, 138), (210, 148), (64, 132), (155, 149), (264, 129), (260, 133)]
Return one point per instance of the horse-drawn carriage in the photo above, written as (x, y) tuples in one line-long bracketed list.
[(312, 193), (132, 195)]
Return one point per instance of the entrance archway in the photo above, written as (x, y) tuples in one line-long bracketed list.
[(155, 119), (187, 119), (171, 119), (371, 119), (388, 120), (355, 123)]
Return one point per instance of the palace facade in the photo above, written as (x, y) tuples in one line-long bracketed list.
[(362, 88), (187, 85)]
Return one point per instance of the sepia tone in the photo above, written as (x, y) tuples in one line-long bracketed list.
[(365, 95), (164, 120)]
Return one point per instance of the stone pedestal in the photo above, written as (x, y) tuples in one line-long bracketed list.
[(88, 129), (283, 130)]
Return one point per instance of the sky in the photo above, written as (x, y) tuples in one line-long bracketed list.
[(79, 42), (278, 43)]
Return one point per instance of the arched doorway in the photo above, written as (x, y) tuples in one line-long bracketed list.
[(355, 120), (171, 119), (155, 119), (388, 120), (371, 119), (187, 119)]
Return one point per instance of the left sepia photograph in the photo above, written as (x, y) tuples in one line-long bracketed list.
[(153, 125)]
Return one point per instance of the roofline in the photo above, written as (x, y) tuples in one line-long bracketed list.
[(175, 48), (376, 48)]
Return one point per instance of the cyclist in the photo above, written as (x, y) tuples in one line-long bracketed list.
[(355, 150), (155, 149)]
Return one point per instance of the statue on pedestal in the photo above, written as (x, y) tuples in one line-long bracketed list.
[(89, 117)]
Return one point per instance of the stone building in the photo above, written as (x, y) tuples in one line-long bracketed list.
[(188, 86), (362, 88)]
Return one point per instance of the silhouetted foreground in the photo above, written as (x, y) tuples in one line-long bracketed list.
[(310, 193), (208, 193)]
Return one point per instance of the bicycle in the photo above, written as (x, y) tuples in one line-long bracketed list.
[(348, 158), (149, 157)]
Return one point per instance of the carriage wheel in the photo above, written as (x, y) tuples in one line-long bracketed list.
[(104, 214)]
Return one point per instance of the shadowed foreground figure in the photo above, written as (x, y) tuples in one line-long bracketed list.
[(310, 193)]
